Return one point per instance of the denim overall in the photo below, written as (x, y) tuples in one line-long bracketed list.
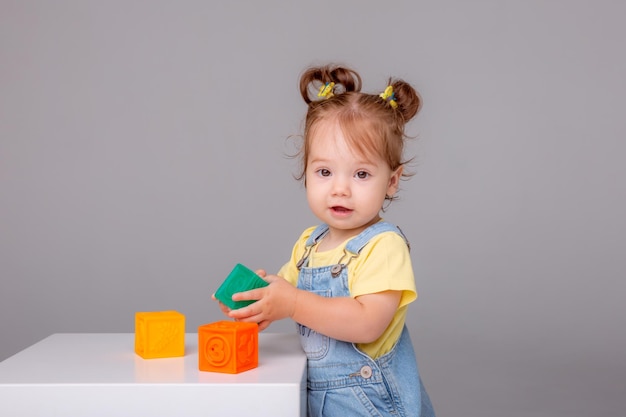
[(342, 380)]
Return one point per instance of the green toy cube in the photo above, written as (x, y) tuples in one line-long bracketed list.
[(240, 279)]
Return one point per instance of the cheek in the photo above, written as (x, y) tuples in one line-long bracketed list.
[(311, 191)]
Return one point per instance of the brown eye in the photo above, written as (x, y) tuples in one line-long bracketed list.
[(362, 175)]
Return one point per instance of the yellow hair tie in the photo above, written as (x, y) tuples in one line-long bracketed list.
[(389, 96), (326, 90)]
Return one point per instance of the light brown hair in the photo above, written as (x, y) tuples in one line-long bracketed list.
[(371, 125)]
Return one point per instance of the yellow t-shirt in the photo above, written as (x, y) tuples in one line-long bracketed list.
[(383, 264)]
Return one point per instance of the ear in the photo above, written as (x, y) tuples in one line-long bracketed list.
[(394, 181)]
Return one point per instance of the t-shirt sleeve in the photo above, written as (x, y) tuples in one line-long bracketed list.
[(384, 264)]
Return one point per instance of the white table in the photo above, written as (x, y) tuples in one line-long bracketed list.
[(100, 375)]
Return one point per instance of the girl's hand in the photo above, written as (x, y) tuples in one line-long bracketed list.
[(275, 302), (226, 310)]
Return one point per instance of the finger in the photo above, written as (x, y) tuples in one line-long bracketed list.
[(251, 318), (242, 313), (271, 278), (264, 324), (261, 273), (254, 295)]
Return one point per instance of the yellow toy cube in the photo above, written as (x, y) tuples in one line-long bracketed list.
[(159, 334)]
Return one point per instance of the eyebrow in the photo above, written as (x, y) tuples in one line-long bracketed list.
[(360, 163), (318, 160), (360, 160)]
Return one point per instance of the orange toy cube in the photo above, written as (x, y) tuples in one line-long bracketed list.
[(228, 347), (159, 334)]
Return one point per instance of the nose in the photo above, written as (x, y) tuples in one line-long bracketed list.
[(341, 186)]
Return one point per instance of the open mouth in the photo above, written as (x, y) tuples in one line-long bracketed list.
[(340, 210)]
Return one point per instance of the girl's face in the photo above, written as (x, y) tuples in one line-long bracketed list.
[(345, 190)]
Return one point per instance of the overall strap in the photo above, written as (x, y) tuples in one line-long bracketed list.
[(319, 232), (355, 245)]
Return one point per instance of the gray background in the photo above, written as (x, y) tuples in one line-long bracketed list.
[(142, 154)]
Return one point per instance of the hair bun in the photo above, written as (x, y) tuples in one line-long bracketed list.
[(408, 100), (345, 80)]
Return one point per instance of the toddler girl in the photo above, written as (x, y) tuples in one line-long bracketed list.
[(350, 280)]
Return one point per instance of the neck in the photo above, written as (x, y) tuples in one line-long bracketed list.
[(336, 237)]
